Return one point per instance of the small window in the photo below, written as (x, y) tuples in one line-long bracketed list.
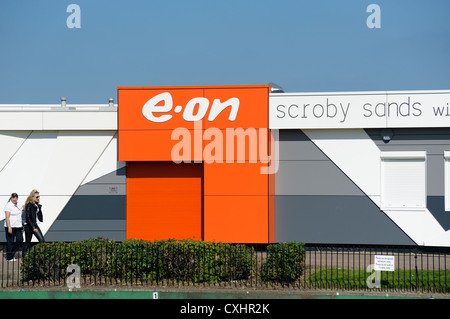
[(403, 181), (447, 180)]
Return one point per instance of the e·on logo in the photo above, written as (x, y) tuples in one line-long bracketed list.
[(151, 107)]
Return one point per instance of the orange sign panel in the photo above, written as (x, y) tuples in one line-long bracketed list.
[(164, 200), (181, 110), (213, 139)]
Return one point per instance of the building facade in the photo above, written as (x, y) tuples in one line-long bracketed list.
[(236, 164)]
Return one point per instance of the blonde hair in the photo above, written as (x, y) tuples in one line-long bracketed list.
[(30, 197)]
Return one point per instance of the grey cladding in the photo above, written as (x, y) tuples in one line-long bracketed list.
[(317, 203), (435, 141), (110, 184), (97, 209), (334, 219)]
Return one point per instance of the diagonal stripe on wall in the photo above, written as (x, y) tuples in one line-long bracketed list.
[(55, 163), (106, 163), (355, 153)]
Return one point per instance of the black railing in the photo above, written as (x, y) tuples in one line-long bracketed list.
[(310, 267), (350, 267)]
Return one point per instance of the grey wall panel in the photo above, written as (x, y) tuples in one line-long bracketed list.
[(75, 235), (435, 141), (313, 178), (82, 235), (436, 135), (90, 216), (431, 149), (117, 177), (426, 139), (305, 170), (436, 206), (110, 184), (88, 225), (334, 219), (317, 203), (73, 230), (295, 145), (101, 189), (88, 207), (435, 175)]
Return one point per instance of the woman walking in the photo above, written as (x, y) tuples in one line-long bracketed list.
[(13, 226), (33, 213)]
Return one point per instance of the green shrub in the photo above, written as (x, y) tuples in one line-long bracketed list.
[(178, 260), (136, 259), (49, 261), (284, 263), (199, 261)]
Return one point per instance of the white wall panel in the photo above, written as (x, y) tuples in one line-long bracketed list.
[(75, 153), (79, 120), (10, 142), (106, 164), (55, 163), (354, 152), (441, 239), (360, 159), (26, 169), (57, 119), (447, 180), (420, 226), (342, 110), (21, 121), (324, 110), (51, 207)]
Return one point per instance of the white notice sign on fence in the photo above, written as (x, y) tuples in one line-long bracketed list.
[(384, 263)]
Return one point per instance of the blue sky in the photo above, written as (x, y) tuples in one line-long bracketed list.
[(304, 46)]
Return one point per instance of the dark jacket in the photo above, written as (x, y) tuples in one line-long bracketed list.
[(33, 211)]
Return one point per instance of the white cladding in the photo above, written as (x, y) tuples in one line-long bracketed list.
[(41, 117), (55, 149), (359, 110)]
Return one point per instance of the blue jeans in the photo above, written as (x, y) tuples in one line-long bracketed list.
[(13, 241)]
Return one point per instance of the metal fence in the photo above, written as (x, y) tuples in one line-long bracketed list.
[(351, 267), (319, 267)]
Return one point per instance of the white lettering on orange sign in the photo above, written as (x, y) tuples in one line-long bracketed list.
[(151, 108)]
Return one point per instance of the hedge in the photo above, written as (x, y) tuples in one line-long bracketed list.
[(285, 262), (181, 260), (49, 261), (175, 260)]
